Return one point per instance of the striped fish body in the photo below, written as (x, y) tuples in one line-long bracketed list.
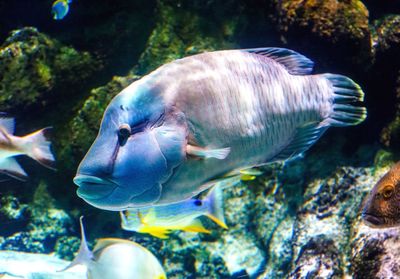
[(262, 105), (176, 131)]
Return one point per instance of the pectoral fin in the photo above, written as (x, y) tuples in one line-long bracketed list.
[(205, 153)]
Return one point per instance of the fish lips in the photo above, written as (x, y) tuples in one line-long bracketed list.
[(372, 220), (92, 188)]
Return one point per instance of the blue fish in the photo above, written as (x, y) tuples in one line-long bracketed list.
[(169, 135), (60, 9)]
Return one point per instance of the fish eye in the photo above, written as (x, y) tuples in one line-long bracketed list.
[(198, 203), (124, 131), (387, 191)]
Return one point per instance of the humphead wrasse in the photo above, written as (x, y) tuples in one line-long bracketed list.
[(382, 207), (167, 136)]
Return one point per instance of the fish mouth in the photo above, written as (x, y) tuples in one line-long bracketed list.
[(93, 188), (372, 220)]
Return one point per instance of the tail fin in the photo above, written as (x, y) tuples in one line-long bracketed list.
[(346, 92), (37, 147), (215, 210)]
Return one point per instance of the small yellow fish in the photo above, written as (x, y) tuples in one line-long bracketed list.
[(114, 258), (382, 207), (159, 221), (34, 145)]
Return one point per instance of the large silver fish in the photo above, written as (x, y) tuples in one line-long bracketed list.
[(167, 136)]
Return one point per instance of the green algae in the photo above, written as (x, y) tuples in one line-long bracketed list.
[(34, 67), (180, 32)]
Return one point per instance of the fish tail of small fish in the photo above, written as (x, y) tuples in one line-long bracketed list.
[(346, 95), (215, 208), (38, 147)]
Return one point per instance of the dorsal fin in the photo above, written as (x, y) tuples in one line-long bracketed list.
[(294, 62), (84, 255)]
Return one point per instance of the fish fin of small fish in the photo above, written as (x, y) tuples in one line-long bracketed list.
[(149, 218), (294, 62), (10, 167), (37, 146), (84, 255), (249, 174), (215, 210), (220, 153), (196, 226), (345, 93), (246, 174), (251, 171), (159, 232), (305, 137), (8, 123), (161, 276), (125, 217)]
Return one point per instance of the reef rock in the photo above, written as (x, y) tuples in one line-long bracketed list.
[(181, 31), (386, 35), (336, 26), (35, 226), (390, 135), (37, 70)]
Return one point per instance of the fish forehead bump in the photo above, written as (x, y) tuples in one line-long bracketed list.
[(392, 178)]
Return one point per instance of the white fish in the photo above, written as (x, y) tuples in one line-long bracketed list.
[(34, 145), (114, 258)]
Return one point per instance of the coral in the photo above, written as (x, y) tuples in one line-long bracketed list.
[(43, 223), (376, 253), (386, 35), (180, 32), (36, 70), (330, 24), (390, 135)]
